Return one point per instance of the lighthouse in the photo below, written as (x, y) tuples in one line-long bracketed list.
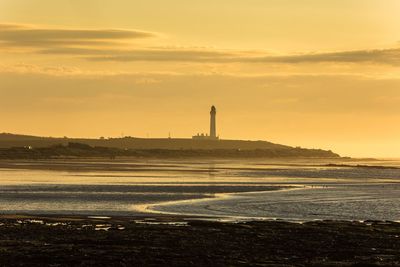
[(213, 127)]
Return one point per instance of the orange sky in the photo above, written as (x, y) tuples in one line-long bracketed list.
[(307, 73)]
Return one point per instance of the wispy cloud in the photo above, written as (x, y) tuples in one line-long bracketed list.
[(378, 56), (116, 45), (148, 54), (17, 35), (383, 56)]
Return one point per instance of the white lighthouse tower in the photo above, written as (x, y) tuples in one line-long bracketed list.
[(213, 127)]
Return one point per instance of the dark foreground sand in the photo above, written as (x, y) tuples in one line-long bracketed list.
[(74, 241)]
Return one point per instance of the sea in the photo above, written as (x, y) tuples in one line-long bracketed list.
[(216, 189)]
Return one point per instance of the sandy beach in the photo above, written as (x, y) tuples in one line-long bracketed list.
[(195, 213)]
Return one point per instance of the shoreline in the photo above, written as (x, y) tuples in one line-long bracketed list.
[(152, 208), (153, 211), (80, 164)]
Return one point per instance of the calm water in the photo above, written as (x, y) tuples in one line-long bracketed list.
[(291, 190)]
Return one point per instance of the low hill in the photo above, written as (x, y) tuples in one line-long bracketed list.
[(130, 146)]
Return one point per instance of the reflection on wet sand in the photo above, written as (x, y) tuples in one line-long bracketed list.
[(213, 188)]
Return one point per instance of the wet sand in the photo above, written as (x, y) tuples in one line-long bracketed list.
[(179, 241)]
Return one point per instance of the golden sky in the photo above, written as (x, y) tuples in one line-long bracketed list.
[(309, 73)]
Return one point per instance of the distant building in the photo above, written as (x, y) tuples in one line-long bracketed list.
[(213, 128)]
